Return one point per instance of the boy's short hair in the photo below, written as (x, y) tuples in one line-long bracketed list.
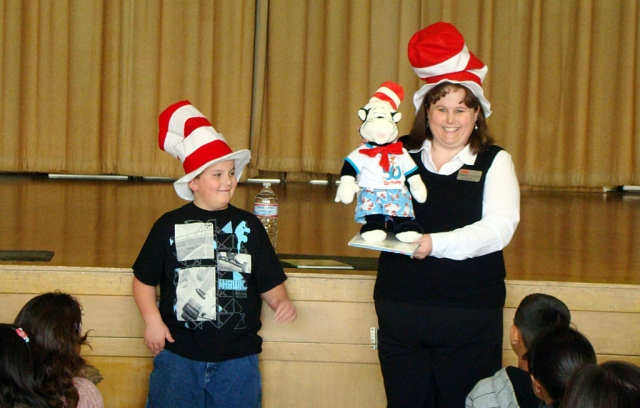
[(537, 312)]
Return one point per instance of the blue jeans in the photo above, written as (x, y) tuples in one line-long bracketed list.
[(178, 382)]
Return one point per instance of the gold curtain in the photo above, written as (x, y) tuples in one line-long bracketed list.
[(82, 82), (324, 60), (562, 81)]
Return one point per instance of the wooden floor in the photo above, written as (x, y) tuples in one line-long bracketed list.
[(562, 236)]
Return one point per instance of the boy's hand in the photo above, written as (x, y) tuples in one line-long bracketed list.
[(278, 300), (155, 331), (285, 312), (155, 335)]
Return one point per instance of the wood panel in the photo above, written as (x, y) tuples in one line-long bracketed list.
[(322, 385), (105, 316), (328, 345), (125, 380)]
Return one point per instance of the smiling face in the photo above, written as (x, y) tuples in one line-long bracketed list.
[(451, 121), (214, 187), (379, 123)]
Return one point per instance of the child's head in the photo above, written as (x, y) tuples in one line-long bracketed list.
[(554, 356), (17, 384), (614, 384), (213, 189), (536, 312), (54, 323)]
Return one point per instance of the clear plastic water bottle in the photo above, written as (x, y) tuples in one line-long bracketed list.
[(266, 209)]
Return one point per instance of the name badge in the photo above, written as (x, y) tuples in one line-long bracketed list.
[(469, 175)]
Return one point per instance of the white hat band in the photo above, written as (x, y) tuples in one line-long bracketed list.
[(454, 64)]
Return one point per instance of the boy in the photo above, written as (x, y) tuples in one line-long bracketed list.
[(512, 386), (214, 264), (554, 356)]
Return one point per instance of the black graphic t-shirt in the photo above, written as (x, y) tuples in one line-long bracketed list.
[(212, 267)]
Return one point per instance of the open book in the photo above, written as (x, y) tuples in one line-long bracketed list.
[(391, 244)]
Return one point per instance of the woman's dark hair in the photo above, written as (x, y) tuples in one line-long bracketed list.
[(614, 384), (478, 141), (17, 384), (538, 312), (555, 355), (54, 321)]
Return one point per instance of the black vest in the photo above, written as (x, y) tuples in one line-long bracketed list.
[(451, 203)]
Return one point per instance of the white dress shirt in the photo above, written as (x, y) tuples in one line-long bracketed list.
[(500, 208)]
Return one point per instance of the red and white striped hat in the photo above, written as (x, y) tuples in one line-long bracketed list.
[(188, 136), (437, 54), (389, 92)]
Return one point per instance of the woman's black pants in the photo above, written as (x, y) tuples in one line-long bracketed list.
[(432, 356)]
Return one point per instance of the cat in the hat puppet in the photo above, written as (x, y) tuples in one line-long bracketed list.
[(380, 170)]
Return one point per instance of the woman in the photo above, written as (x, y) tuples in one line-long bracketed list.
[(54, 321), (17, 385), (440, 311)]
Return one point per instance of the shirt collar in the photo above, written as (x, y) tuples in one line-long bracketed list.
[(464, 155)]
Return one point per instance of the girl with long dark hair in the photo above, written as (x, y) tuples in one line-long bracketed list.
[(54, 321)]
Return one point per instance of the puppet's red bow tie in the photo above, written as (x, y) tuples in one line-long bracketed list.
[(393, 148)]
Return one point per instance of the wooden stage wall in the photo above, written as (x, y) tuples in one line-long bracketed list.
[(324, 359), (581, 247)]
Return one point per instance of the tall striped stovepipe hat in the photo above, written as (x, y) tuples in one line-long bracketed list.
[(188, 136), (438, 54)]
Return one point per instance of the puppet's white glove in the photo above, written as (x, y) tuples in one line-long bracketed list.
[(418, 189), (347, 189)]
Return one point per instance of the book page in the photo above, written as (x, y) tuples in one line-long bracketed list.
[(390, 244)]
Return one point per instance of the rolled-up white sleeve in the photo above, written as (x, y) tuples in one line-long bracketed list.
[(500, 217)]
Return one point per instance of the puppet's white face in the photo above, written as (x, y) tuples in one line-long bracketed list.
[(379, 123)]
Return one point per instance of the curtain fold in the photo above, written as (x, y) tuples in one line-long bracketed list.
[(325, 59), (562, 81), (82, 82), (565, 92), (199, 51)]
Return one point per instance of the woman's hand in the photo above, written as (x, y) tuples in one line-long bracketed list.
[(424, 250)]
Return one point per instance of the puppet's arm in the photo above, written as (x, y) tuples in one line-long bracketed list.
[(417, 187), (348, 187)]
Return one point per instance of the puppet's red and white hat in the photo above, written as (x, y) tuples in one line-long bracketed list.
[(389, 92), (188, 136), (437, 54)]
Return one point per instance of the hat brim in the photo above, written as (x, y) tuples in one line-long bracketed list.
[(241, 157), (418, 97)]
